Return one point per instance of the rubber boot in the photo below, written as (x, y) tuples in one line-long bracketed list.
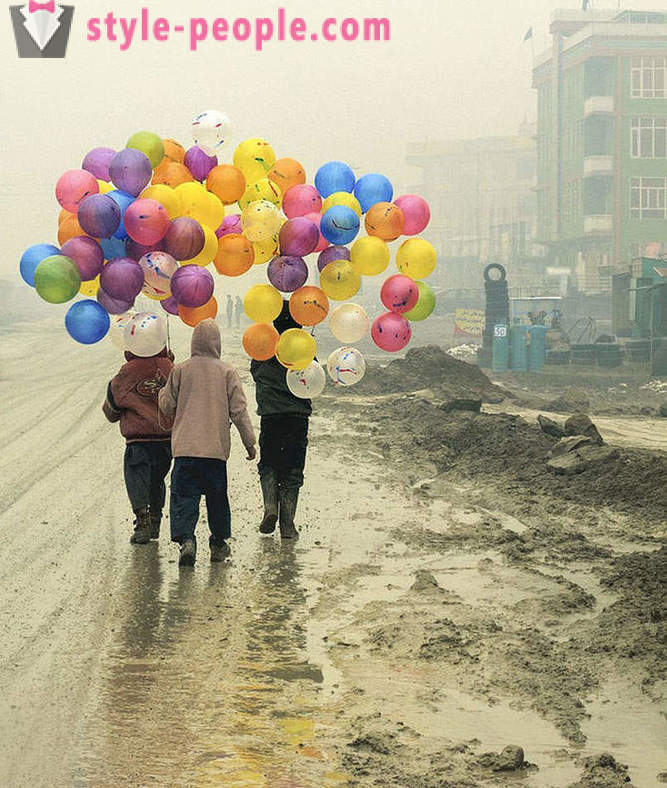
[(142, 527), (288, 501), (188, 554), (219, 550), (269, 482), (156, 519)]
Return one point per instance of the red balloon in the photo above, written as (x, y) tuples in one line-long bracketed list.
[(146, 221), (399, 293)]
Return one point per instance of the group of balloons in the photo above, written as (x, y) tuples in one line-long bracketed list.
[(153, 217)]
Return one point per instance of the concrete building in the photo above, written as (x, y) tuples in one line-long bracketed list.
[(602, 143)]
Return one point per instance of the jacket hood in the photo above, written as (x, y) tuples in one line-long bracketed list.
[(284, 321), (164, 353), (206, 339)]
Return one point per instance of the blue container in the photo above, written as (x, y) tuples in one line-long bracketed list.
[(519, 345), (537, 349), (501, 348)]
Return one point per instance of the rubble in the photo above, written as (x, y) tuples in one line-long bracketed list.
[(581, 457), (571, 400), (580, 424), (509, 760), (550, 427)]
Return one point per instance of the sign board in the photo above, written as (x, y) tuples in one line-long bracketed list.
[(469, 322)]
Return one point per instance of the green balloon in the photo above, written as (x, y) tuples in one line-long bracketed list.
[(425, 303), (149, 144), (57, 279)]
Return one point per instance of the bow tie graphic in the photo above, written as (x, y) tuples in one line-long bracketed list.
[(34, 6)]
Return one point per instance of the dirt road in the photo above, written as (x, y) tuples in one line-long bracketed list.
[(365, 654)]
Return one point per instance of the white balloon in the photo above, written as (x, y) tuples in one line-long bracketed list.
[(117, 329), (211, 131), (346, 366), (146, 334), (349, 323), (307, 383)]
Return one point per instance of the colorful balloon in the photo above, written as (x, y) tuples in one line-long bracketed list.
[(199, 163), (146, 334), (123, 200), (425, 304), (136, 251), (32, 257), (69, 228), (114, 306), (298, 237), (211, 131), (118, 324), (254, 157), (334, 176), (307, 383), (149, 144), (99, 215), (263, 189), (199, 204), (342, 198), (87, 322), (262, 303), (322, 242), (158, 268), (115, 247), (260, 340), (309, 305), (339, 225), (230, 225), (296, 348), (340, 281), (349, 323), (131, 171), (227, 183), (287, 273), (346, 366), (97, 162), (87, 254), (57, 279), (235, 255), (192, 286), (371, 189), (369, 255), (146, 221), (172, 174), (330, 254), (286, 173), (90, 288), (193, 316), (184, 239), (266, 250), (391, 332), (300, 200), (385, 220), (122, 279), (166, 196), (399, 293), (416, 258), (105, 186), (210, 250), (260, 220), (170, 305), (416, 213), (73, 187)]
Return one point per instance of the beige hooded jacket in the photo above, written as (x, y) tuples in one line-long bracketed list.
[(204, 395)]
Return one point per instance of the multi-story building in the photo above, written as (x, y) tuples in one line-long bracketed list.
[(602, 142)]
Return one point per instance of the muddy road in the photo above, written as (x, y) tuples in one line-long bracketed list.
[(401, 639)]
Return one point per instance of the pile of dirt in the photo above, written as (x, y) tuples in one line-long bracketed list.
[(430, 367)]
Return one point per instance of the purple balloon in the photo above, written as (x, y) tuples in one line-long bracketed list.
[(288, 274), (184, 239), (170, 305), (87, 254), (97, 162), (135, 251), (99, 215), (330, 254), (199, 163), (114, 306), (298, 237), (122, 279), (230, 224), (131, 171), (192, 286)]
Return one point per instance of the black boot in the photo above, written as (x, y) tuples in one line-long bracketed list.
[(188, 553), (269, 481), (142, 527), (156, 519), (219, 550), (288, 501)]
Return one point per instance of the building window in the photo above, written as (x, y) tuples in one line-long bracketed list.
[(649, 76), (649, 138), (648, 198)]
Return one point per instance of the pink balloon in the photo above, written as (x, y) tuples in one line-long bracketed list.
[(399, 293), (299, 237), (146, 221), (230, 225), (192, 286), (73, 187), (391, 332), (122, 279), (300, 200), (322, 243), (416, 212)]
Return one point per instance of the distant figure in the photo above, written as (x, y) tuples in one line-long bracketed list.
[(204, 396), (239, 311), (230, 311), (132, 400)]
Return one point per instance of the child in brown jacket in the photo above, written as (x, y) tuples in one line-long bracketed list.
[(203, 395)]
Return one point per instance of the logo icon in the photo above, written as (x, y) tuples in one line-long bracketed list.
[(41, 29)]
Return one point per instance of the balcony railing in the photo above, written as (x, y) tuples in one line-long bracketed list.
[(598, 224), (598, 165), (596, 105)]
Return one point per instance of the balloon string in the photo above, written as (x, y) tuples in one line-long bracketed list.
[(168, 336)]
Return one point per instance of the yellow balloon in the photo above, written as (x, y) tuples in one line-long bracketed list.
[(296, 348), (89, 289), (263, 303), (342, 198), (254, 157), (208, 253), (340, 280), (105, 187), (369, 255), (416, 258), (263, 189), (167, 197), (260, 220), (200, 204), (266, 250)]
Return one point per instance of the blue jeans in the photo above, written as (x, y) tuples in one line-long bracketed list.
[(191, 478)]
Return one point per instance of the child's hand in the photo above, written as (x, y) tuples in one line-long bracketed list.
[(252, 453)]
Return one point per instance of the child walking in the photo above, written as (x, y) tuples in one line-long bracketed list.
[(132, 400), (283, 439), (203, 395)]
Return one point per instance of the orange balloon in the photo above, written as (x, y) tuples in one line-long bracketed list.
[(69, 228), (286, 173), (64, 214), (260, 340), (385, 220), (172, 174), (309, 305), (235, 255), (192, 316), (173, 151), (226, 182)]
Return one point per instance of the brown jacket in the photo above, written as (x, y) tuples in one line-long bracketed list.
[(132, 398), (204, 394)]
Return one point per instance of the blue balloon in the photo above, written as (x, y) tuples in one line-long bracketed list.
[(373, 188), (339, 225), (32, 257), (112, 248), (87, 322), (335, 176), (123, 200)]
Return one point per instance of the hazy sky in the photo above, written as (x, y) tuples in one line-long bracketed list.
[(452, 69)]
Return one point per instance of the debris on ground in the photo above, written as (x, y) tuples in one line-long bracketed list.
[(582, 457), (580, 424), (602, 771), (461, 403), (572, 399), (550, 427), (511, 759)]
